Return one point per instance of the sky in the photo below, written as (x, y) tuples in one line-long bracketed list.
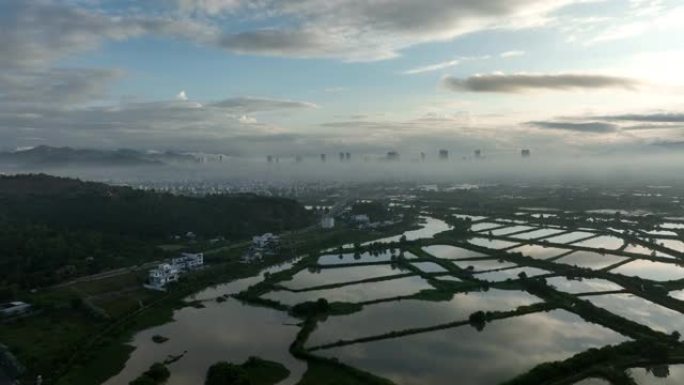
[(286, 77)]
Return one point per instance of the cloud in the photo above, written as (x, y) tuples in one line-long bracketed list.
[(432, 67), (37, 33), (662, 117), (251, 105), (511, 54), (517, 83), (363, 30), (182, 96), (55, 87), (589, 127)]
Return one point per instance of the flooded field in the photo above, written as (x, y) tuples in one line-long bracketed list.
[(355, 293), (411, 332), (439, 357), (399, 315), (221, 331), (452, 252)]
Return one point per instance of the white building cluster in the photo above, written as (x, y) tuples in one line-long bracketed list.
[(168, 272), (266, 244)]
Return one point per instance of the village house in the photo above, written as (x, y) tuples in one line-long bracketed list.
[(266, 244), (169, 272)]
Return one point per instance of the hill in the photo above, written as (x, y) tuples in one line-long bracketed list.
[(50, 224)]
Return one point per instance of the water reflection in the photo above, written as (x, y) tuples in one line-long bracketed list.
[(640, 310), (590, 259), (429, 267), (657, 271), (476, 358), (429, 228), (604, 241), (538, 251), (583, 285), (385, 317), (484, 226), (483, 264), (570, 237), (658, 375), (238, 285), (226, 331), (592, 381), (337, 259), (536, 234), (510, 230), (311, 278), (356, 293), (452, 252), (502, 275), (491, 243)]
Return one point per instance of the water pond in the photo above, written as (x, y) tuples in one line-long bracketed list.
[(502, 275), (538, 251), (569, 237), (657, 271), (400, 315), (607, 242), (429, 267), (452, 252), (477, 357), (355, 293), (584, 285), (590, 259), (537, 234), (492, 243), (483, 264), (640, 310), (317, 277), (227, 331)]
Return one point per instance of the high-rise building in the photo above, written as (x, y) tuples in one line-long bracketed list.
[(525, 153), (443, 154)]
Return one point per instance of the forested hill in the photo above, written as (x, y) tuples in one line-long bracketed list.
[(73, 204), (54, 228)]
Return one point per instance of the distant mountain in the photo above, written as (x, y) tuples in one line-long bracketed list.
[(43, 156)]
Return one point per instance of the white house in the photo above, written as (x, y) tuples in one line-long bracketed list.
[(14, 308), (188, 261), (328, 222), (264, 241), (166, 273)]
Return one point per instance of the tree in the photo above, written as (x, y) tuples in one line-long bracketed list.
[(224, 373)]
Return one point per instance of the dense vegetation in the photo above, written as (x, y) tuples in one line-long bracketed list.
[(157, 374), (254, 371), (54, 228)]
